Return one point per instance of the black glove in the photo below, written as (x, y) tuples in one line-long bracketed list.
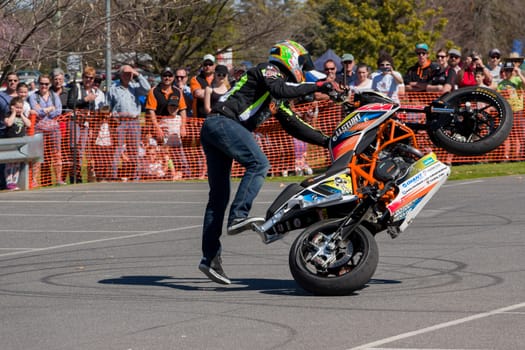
[(324, 87)]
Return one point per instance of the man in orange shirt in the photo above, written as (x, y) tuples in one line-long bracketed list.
[(157, 101), (199, 83), (420, 75)]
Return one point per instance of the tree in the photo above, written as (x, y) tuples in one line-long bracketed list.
[(365, 28)]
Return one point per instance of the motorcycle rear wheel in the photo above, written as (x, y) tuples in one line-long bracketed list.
[(355, 262), (477, 133)]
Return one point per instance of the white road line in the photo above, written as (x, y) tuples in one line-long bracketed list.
[(101, 240), (455, 184), (438, 326)]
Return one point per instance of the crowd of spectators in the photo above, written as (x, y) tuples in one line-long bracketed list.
[(109, 140)]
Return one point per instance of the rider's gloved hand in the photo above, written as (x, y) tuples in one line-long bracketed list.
[(324, 87)]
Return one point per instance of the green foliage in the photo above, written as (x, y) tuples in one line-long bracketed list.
[(366, 28)]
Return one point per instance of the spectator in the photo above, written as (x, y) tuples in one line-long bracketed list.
[(445, 79), (58, 86), (16, 124), (198, 85), (516, 59), (22, 90), (473, 63), (362, 82), (157, 101), (31, 85), (420, 75), (330, 69), (125, 105), (181, 81), (226, 135), (494, 66), (48, 108), (5, 99), (512, 82), (348, 75), (512, 85), (386, 79), (480, 79), (301, 148), (174, 128), (219, 86), (85, 100), (454, 60)]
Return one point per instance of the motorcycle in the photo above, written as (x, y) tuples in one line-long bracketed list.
[(378, 181)]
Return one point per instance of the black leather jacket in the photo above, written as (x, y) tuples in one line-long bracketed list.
[(261, 90)]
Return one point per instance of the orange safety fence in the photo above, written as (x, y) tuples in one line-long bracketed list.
[(97, 154)]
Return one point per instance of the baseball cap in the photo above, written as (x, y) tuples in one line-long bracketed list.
[(166, 70), (508, 65), (347, 57), (222, 69), (422, 46), (494, 52), (208, 57), (173, 100), (454, 52)]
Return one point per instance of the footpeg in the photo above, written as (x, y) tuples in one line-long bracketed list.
[(267, 238)]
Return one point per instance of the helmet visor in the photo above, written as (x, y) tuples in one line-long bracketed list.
[(305, 61)]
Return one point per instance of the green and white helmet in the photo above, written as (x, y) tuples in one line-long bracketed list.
[(293, 58)]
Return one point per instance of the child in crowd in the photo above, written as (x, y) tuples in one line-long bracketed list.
[(16, 123)]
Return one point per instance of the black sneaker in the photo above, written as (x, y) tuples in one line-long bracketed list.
[(242, 224), (214, 270)]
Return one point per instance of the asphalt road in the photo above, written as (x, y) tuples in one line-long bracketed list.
[(114, 266)]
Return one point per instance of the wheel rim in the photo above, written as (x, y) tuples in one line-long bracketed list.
[(468, 127), (322, 255)]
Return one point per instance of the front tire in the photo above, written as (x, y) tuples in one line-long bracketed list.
[(324, 266), (477, 132)]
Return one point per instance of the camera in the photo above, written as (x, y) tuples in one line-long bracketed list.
[(385, 69)]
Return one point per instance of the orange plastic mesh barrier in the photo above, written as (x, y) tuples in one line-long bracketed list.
[(94, 151)]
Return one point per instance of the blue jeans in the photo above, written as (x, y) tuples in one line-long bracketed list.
[(223, 141)]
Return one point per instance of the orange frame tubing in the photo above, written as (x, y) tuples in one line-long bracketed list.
[(363, 173)]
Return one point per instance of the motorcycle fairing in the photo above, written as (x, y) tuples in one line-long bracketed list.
[(425, 178), (297, 207), (350, 132)]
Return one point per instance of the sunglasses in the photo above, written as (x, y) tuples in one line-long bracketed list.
[(44, 84), (441, 56), (421, 53), (496, 56), (220, 74), (167, 76), (13, 80), (329, 68), (88, 77), (207, 64), (180, 77), (454, 57)]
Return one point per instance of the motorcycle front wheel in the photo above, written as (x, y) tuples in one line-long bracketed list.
[(324, 265), (481, 122)]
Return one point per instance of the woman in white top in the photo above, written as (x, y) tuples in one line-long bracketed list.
[(363, 82), (387, 80)]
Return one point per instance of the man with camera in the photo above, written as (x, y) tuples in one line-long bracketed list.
[(386, 79)]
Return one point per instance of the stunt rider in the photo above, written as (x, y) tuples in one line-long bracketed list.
[(226, 136)]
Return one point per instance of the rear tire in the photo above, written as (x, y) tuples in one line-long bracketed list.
[(355, 260), (476, 134)]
